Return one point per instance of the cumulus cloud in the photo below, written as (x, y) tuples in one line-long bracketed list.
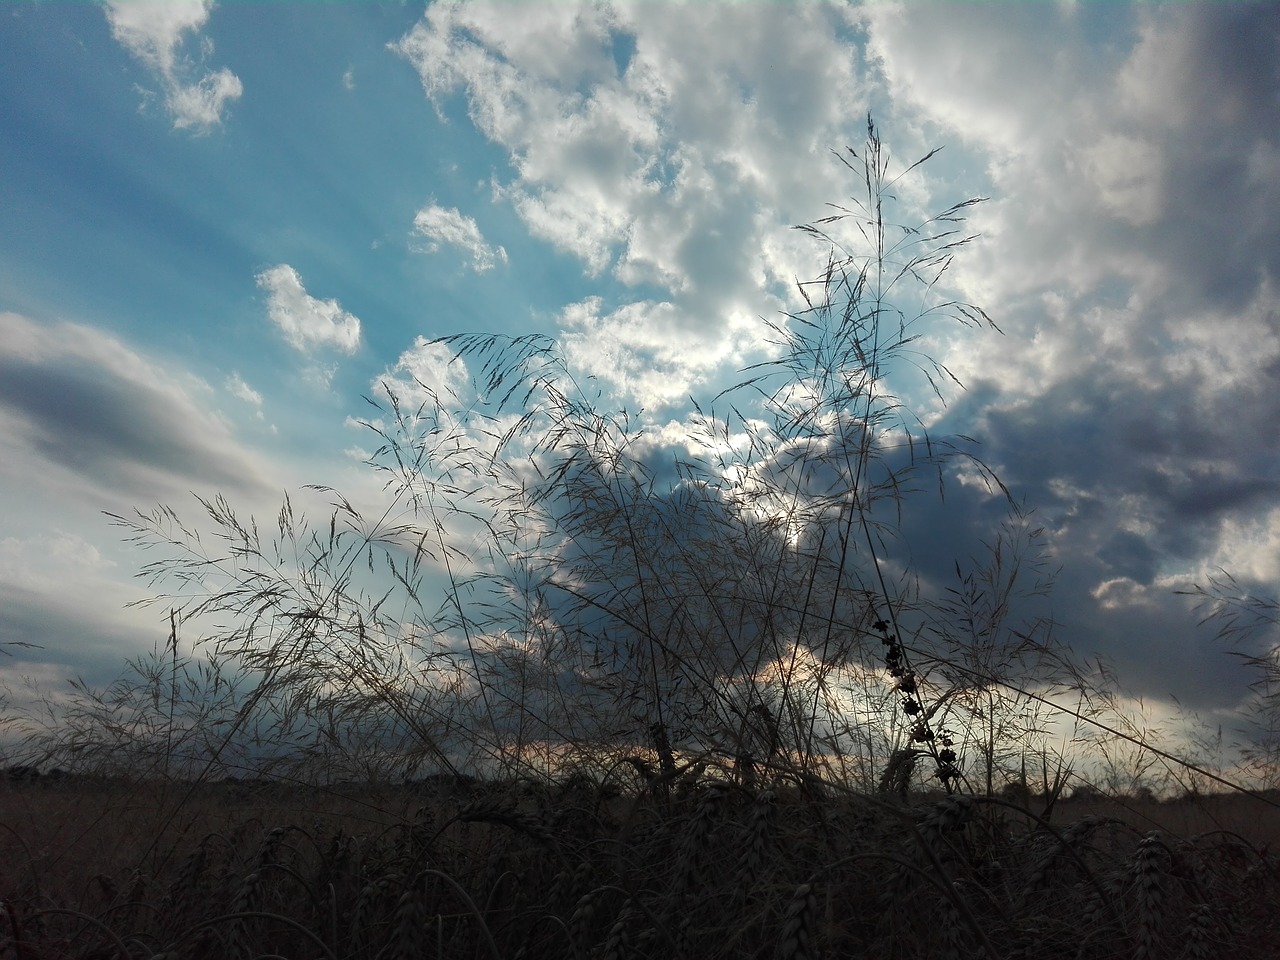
[(649, 154), (425, 372), (308, 324), (448, 227), (645, 351), (155, 32)]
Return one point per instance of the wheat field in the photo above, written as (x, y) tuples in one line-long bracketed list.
[(606, 870)]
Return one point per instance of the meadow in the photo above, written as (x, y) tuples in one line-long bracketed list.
[(562, 694), (586, 870)]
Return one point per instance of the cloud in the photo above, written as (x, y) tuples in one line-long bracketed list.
[(308, 324), (154, 31), (200, 105), (77, 401), (58, 552), (88, 424), (645, 351), (425, 372), (1131, 255), (52, 588), (448, 227), (236, 386), (1129, 252), (1085, 146), (651, 155)]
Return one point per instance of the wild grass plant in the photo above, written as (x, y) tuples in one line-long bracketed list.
[(563, 694), (749, 607), (1249, 624)]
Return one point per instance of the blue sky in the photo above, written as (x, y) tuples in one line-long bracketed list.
[(224, 224)]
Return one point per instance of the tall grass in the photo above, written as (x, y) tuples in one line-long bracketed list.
[(701, 693), (1248, 622), (601, 597), (546, 587)]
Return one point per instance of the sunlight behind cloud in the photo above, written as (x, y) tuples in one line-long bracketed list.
[(664, 168)]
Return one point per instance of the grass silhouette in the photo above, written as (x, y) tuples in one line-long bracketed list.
[(563, 693)]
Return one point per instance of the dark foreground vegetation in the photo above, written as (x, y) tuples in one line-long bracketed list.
[(586, 870)]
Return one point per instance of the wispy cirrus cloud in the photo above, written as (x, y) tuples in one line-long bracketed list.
[(448, 227), (240, 389), (155, 32), (307, 323)]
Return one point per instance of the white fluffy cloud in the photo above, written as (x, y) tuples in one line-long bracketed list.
[(423, 373), (647, 150), (448, 227), (154, 31), (306, 322), (646, 350)]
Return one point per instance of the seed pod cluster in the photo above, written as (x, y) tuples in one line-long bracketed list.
[(938, 743)]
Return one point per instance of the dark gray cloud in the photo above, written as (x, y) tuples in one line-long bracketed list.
[(66, 640), (88, 424), (1141, 452), (1130, 253), (84, 403), (1139, 489)]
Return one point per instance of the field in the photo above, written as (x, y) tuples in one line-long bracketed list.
[(708, 869), (672, 673)]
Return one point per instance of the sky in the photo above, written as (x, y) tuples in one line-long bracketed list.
[(225, 224)]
